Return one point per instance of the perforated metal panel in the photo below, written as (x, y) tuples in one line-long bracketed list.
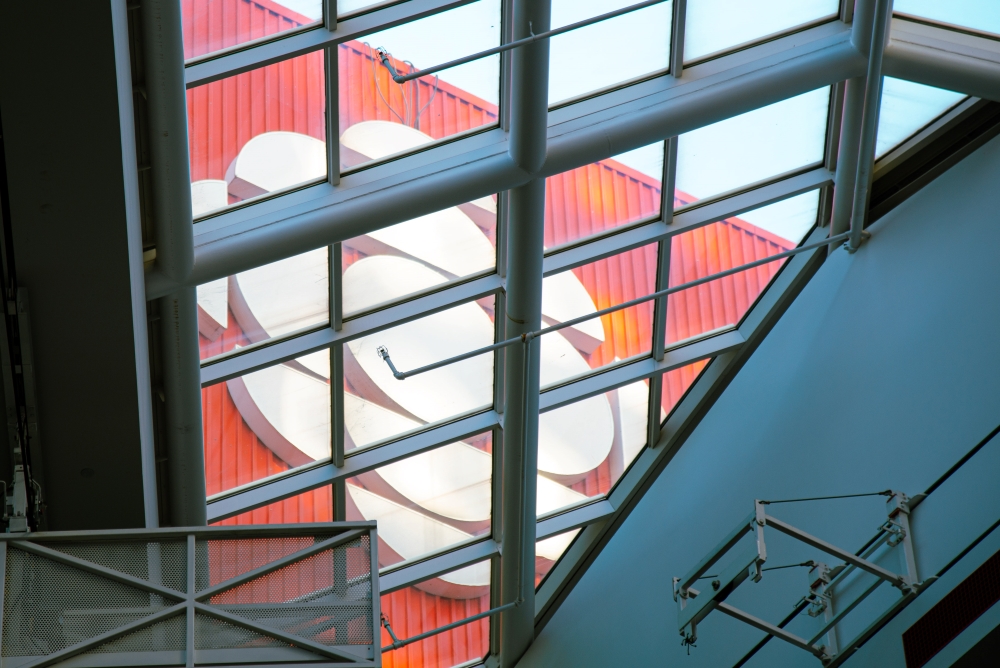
[(261, 595)]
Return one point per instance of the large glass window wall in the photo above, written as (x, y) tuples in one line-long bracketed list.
[(310, 389)]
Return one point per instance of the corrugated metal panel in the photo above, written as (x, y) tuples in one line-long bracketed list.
[(411, 611), (211, 25), (224, 115)]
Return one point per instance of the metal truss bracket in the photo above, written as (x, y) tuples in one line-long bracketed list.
[(693, 605)]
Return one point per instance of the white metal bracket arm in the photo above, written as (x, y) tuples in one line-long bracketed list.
[(693, 605)]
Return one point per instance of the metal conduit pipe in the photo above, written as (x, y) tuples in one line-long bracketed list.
[(170, 172), (862, 24), (171, 210), (520, 419), (869, 123), (525, 246), (847, 156), (188, 504)]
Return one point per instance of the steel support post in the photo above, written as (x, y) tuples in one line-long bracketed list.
[(170, 171), (520, 443), (181, 389), (171, 208), (869, 120), (847, 156), (523, 306)]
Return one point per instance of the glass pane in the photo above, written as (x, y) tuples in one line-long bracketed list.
[(595, 343), (380, 118), (583, 448), (419, 255), (714, 305), (721, 25), (676, 383), (211, 25), (257, 132), (266, 422), (313, 506), (345, 7), (982, 15), (751, 147), (590, 200), (267, 302), (577, 67), (378, 407), (778, 227), (428, 502), (432, 604), (549, 551), (906, 108)]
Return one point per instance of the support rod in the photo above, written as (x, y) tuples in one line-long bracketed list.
[(525, 227), (170, 170), (520, 443), (847, 156), (869, 122), (182, 406), (171, 208), (892, 578)]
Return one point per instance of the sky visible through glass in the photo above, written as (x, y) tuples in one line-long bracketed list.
[(983, 15), (906, 108), (715, 25)]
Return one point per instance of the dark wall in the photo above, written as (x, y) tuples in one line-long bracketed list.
[(63, 150)]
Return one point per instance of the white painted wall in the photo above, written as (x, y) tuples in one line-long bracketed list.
[(882, 374)]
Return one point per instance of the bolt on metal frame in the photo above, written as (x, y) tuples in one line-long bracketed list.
[(478, 165)]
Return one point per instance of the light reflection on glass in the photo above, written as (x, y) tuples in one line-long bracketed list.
[(906, 108), (399, 261), (257, 132), (612, 193), (717, 25), (266, 422), (271, 301), (748, 148), (211, 25), (549, 551), (585, 447), (434, 603), (982, 15), (378, 407), (380, 118), (428, 502), (576, 67)]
